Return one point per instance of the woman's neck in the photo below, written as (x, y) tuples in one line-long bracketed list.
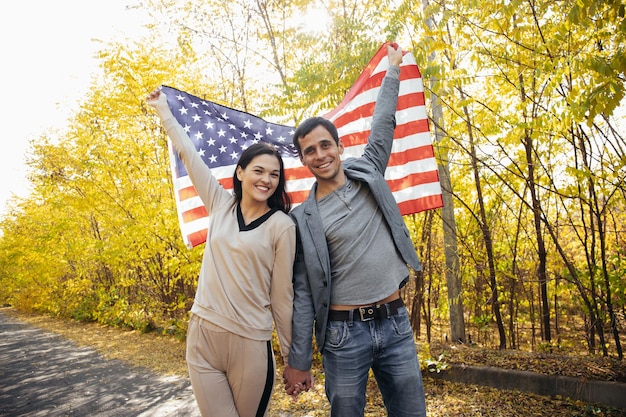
[(252, 210)]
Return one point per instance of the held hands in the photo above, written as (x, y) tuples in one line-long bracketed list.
[(394, 53), (296, 381)]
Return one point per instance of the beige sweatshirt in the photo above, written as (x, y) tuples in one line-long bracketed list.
[(246, 274)]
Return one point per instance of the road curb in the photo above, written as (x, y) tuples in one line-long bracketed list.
[(612, 394)]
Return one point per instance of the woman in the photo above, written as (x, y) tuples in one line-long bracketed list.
[(245, 277)]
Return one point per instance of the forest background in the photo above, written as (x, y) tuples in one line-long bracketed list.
[(525, 101)]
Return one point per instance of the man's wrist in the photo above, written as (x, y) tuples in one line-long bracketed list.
[(393, 71)]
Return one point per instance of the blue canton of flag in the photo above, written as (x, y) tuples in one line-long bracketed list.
[(220, 133)]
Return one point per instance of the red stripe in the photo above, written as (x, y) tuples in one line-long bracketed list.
[(410, 72), (409, 100), (197, 238), (417, 205), (411, 128), (410, 155), (298, 197), (194, 214), (226, 182), (187, 192), (374, 82), (190, 192), (360, 112), (413, 179), (297, 173)]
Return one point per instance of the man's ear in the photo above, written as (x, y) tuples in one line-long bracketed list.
[(340, 146)]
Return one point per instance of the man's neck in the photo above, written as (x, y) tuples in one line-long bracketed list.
[(327, 186)]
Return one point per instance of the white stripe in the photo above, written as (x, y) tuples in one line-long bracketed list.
[(413, 167), (190, 204), (416, 140), (417, 191)]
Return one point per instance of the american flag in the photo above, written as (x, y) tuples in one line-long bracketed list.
[(221, 133)]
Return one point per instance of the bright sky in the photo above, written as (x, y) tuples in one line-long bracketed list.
[(47, 49)]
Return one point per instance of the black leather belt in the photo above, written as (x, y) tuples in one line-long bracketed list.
[(373, 312)]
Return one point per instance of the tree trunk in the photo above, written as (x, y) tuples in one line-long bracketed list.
[(453, 276), (541, 247), (486, 232)]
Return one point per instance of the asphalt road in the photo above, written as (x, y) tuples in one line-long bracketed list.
[(43, 374)]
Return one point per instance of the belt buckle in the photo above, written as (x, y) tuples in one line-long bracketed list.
[(367, 313)]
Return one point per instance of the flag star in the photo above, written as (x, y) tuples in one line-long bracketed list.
[(232, 139), (232, 126), (244, 146), (196, 118), (234, 155), (258, 136), (213, 158), (291, 132), (187, 128), (208, 113), (199, 135), (201, 152), (180, 97), (243, 134), (255, 140), (183, 110), (221, 133), (209, 125), (194, 105), (268, 131), (222, 149), (225, 116), (281, 138), (247, 124), (204, 103), (211, 142)]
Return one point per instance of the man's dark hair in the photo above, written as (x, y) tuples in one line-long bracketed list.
[(308, 125)]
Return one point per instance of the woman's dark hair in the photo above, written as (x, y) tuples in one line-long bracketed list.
[(280, 199), (308, 125)]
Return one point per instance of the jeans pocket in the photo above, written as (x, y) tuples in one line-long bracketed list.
[(336, 333), (401, 323)]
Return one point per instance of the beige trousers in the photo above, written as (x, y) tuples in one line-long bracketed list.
[(231, 376)]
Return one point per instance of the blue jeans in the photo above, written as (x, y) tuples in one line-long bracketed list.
[(387, 347)]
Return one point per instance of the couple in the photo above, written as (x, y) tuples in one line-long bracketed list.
[(326, 273)]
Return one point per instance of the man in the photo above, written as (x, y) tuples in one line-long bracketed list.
[(353, 255)]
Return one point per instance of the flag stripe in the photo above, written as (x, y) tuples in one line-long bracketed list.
[(221, 134)]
